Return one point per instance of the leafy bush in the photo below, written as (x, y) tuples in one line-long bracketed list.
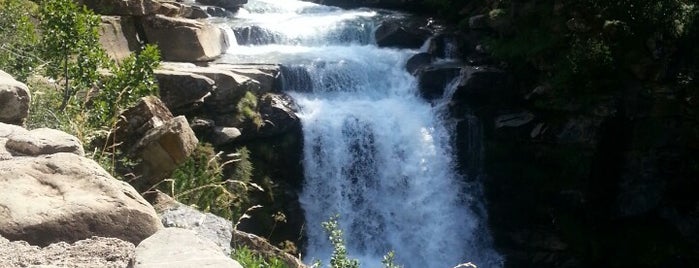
[(130, 80), (70, 45), (339, 258), (249, 259), (19, 39)]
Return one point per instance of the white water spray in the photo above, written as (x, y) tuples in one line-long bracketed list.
[(375, 153)]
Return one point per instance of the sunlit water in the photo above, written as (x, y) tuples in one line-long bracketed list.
[(375, 153)]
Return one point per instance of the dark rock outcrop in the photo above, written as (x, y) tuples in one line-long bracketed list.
[(401, 34)]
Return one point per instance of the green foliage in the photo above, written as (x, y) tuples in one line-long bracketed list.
[(70, 44), (200, 182), (249, 259), (389, 260), (339, 258), (130, 80), (247, 109), (19, 39)]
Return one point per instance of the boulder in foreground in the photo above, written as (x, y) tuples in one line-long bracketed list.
[(66, 197)]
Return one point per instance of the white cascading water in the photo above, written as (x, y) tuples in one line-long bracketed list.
[(375, 153)]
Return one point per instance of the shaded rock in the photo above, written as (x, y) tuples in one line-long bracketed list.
[(65, 197), (14, 100), (43, 141), (176, 247), (434, 80), (181, 91), (122, 7), (206, 225), (582, 130), (231, 5), (264, 248), (417, 62), (478, 22), (484, 85), (165, 147), (278, 113), (514, 120), (181, 39), (118, 36), (223, 135), (202, 126), (91, 252), (133, 124), (400, 35)]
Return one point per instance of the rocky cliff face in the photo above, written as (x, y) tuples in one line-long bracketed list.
[(604, 180)]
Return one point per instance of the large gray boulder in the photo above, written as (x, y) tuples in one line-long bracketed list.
[(66, 197), (186, 40), (219, 230), (88, 253), (176, 247), (43, 141), (206, 225), (122, 7), (14, 100), (118, 36)]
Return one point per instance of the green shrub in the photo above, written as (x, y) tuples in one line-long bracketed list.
[(129, 81), (249, 259), (18, 55), (200, 182), (70, 45)]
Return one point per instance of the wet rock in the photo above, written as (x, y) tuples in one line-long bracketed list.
[(176, 247), (66, 197), (186, 40), (417, 62), (433, 80), (278, 113), (483, 85), (14, 100), (399, 34)]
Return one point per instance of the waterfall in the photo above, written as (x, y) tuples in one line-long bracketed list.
[(375, 153)]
